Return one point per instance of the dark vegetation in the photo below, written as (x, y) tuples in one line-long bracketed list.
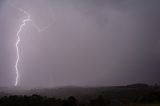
[(37, 100), (102, 96)]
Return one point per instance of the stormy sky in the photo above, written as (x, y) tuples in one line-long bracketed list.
[(84, 42)]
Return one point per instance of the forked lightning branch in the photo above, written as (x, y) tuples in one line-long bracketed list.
[(28, 18), (22, 25), (20, 29)]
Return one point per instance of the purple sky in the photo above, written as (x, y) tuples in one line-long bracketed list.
[(87, 43)]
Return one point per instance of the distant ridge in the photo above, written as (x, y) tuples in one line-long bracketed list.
[(138, 85)]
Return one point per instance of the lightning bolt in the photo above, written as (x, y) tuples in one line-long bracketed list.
[(22, 25), (18, 41)]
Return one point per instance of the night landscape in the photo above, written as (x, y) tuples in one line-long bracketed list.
[(79, 52)]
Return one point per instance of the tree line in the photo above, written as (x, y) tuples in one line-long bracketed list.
[(37, 100)]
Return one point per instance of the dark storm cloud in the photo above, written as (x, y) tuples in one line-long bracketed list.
[(91, 42)]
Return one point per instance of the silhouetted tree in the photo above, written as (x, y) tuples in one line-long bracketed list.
[(99, 101), (72, 101)]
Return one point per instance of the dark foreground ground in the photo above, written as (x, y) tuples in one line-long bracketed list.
[(131, 95)]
